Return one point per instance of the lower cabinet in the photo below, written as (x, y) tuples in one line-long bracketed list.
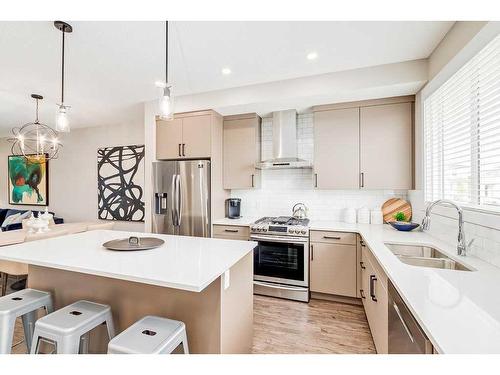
[(374, 295), (231, 232), (333, 263)]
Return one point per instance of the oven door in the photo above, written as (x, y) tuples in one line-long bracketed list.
[(282, 260)]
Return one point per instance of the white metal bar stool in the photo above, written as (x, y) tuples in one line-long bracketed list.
[(67, 327), (150, 335), (24, 304)]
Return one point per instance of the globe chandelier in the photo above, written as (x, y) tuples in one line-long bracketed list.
[(35, 141)]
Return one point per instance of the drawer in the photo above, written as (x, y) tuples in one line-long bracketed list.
[(367, 255), (236, 232), (333, 237)]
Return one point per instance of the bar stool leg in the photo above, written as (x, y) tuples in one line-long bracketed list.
[(29, 320), (35, 343), (6, 333), (84, 344), (49, 307), (68, 345), (110, 326), (185, 343)]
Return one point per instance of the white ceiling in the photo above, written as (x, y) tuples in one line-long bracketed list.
[(112, 66)]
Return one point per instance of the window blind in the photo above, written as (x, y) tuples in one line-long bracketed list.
[(462, 134)]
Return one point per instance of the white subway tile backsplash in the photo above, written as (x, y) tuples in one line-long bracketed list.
[(486, 245)]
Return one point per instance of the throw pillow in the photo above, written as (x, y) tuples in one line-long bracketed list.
[(9, 219), (21, 217)]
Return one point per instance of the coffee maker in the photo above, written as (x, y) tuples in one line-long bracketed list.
[(233, 208)]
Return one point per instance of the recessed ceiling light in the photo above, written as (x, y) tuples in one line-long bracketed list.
[(312, 55), (226, 71)]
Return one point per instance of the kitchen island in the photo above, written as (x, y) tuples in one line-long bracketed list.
[(206, 283)]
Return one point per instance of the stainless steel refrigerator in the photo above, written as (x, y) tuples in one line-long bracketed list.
[(181, 197)]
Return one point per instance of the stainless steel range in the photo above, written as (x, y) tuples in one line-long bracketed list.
[(281, 259)]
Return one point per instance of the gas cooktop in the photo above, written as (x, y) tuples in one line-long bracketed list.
[(281, 225)]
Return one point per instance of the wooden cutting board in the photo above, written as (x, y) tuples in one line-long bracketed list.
[(394, 205)]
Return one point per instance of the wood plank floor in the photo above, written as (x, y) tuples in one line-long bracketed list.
[(289, 327)]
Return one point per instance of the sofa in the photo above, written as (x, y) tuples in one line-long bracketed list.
[(6, 212)]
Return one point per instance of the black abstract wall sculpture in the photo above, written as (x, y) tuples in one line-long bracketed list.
[(120, 180)]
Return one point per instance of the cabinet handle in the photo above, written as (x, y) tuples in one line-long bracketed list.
[(362, 243), (316, 180), (312, 252), (361, 179), (179, 150), (183, 149), (231, 230), (252, 181), (362, 265), (373, 278), (331, 237), (362, 293)]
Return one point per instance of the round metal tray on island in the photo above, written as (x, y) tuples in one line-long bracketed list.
[(134, 244)]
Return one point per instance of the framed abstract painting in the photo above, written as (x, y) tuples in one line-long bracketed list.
[(28, 180), (120, 183)]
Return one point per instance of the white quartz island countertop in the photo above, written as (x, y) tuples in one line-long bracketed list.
[(186, 263)]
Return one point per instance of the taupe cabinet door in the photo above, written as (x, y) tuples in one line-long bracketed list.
[(386, 146), (168, 139), (240, 140), (336, 149), (333, 269), (184, 137), (196, 134)]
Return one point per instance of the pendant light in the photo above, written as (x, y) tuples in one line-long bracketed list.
[(62, 120), (165, 103), (34, 140)]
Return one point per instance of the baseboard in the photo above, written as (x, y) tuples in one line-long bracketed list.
[(335, 298)]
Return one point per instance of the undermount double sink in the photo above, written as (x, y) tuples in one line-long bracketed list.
[(425, 256)]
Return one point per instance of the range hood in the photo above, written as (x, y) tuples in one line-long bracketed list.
[(284, 143)]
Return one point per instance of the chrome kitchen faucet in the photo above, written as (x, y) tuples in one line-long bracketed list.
[(462, 246)]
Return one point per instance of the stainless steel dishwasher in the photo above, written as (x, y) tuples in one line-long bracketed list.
[(405, 334)]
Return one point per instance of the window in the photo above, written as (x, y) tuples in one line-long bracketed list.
[(462, 134)]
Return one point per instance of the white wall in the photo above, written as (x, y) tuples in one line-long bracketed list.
[(462, 42), (404, 78), (73, 176), (455, 39), (281, 189)]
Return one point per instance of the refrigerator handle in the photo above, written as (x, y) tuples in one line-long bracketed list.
[(174, 215), (179, 201), (204, 208)]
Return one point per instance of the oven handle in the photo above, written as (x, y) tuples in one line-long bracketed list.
[(281, 286), (292, 240)]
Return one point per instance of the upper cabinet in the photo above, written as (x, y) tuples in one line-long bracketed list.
[(196, 136), (386, 146), (364, 145), (189, 135), (242, 149), (336, 149), (169, 139)]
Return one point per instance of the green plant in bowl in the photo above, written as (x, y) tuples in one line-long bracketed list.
[(400, 216)]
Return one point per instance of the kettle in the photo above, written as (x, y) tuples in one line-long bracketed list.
[(299, 211)]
